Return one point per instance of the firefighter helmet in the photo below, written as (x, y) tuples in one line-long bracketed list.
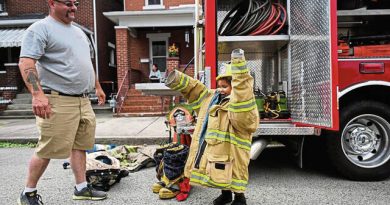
[(224, 71)]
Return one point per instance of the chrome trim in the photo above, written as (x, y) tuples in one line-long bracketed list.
[(369, 83)]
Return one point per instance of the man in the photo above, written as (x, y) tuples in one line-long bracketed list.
[(56, 67)]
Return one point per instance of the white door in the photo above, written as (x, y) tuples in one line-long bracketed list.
[(158, 50)]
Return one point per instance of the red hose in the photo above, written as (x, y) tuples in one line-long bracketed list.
[(268, 27)]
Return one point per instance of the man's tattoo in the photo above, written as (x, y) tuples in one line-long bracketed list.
[(32, 78)]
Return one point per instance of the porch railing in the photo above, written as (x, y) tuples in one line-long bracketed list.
[(122, 92)]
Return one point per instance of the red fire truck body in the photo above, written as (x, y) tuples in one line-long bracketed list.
[(338, 92)]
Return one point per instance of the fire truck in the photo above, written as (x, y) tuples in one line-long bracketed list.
[(330, 58)]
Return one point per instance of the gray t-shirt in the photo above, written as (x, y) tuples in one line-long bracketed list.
[(63, 56)]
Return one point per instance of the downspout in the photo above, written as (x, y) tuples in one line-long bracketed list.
[(196, 46), (96, 40)]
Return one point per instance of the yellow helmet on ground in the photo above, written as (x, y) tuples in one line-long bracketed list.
[(224, 71)]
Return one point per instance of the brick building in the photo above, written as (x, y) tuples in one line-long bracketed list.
[(17, 15), (144, 32)]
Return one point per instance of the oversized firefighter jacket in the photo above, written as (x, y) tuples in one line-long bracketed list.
[(220, 157)]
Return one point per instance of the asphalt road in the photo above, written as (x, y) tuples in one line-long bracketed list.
[(274, 179)]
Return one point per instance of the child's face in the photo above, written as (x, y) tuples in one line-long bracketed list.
[(224, 87)]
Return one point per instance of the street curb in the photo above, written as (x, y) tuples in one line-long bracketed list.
[(119, 140)]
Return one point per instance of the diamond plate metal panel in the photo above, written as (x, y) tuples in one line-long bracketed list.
[(275, 131), (262, 65), (310, 94)]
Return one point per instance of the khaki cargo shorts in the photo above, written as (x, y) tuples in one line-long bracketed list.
[(71, 126)]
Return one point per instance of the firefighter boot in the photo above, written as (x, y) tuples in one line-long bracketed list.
[(169, 192), (224, 198), (239, 199), (171, 188), (157, 186)]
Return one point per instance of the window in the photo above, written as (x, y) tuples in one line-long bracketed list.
[(159, 54), (2, 6), (111, 60), (154, 4)]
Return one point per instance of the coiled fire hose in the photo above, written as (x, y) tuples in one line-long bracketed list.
[(254, 17)]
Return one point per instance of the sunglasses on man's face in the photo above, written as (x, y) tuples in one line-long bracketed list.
[(68, 3)]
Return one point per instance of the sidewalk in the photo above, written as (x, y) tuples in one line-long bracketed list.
[(109, 130)]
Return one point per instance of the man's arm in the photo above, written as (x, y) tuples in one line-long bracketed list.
[(40, 103), (99, 92)]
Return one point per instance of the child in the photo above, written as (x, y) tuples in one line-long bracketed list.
[(227, 117)]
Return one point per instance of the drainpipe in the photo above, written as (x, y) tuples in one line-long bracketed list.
[(96, 40)]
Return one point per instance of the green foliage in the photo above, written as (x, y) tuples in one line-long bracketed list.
[(15, 145)]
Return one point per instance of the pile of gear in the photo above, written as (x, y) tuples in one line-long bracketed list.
[(103, 170), (106, 165)]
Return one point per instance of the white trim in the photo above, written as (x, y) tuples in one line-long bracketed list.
[(111, 45), (3, 72), (364, 59), (152, 18), (356, 86), (120, 27), (96, 41), (18, 22), (10, 64), (4, 14), (184, 6)]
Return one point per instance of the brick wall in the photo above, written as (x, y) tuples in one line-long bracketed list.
[(139, 48), (137, 5), (12, 79), (122, 48), (84, 15), (23, 7)]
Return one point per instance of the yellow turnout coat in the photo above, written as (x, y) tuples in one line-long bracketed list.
[(220, 158)]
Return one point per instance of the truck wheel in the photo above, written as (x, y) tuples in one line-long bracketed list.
[(361, 149)]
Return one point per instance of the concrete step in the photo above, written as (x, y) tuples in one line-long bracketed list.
[(22, 101), (23, 96), (147, 102), (19, 107), (134, 92), (17, 113), (141, 114), (143, 109), (17, 117)]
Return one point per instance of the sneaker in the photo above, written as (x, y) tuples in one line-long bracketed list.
[(224, 198), (30, 198), (88, 193)]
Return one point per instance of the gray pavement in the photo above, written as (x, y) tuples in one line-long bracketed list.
[(109, 130), (274, 179)]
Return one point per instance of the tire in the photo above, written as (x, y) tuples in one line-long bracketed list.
[(361, 148)]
